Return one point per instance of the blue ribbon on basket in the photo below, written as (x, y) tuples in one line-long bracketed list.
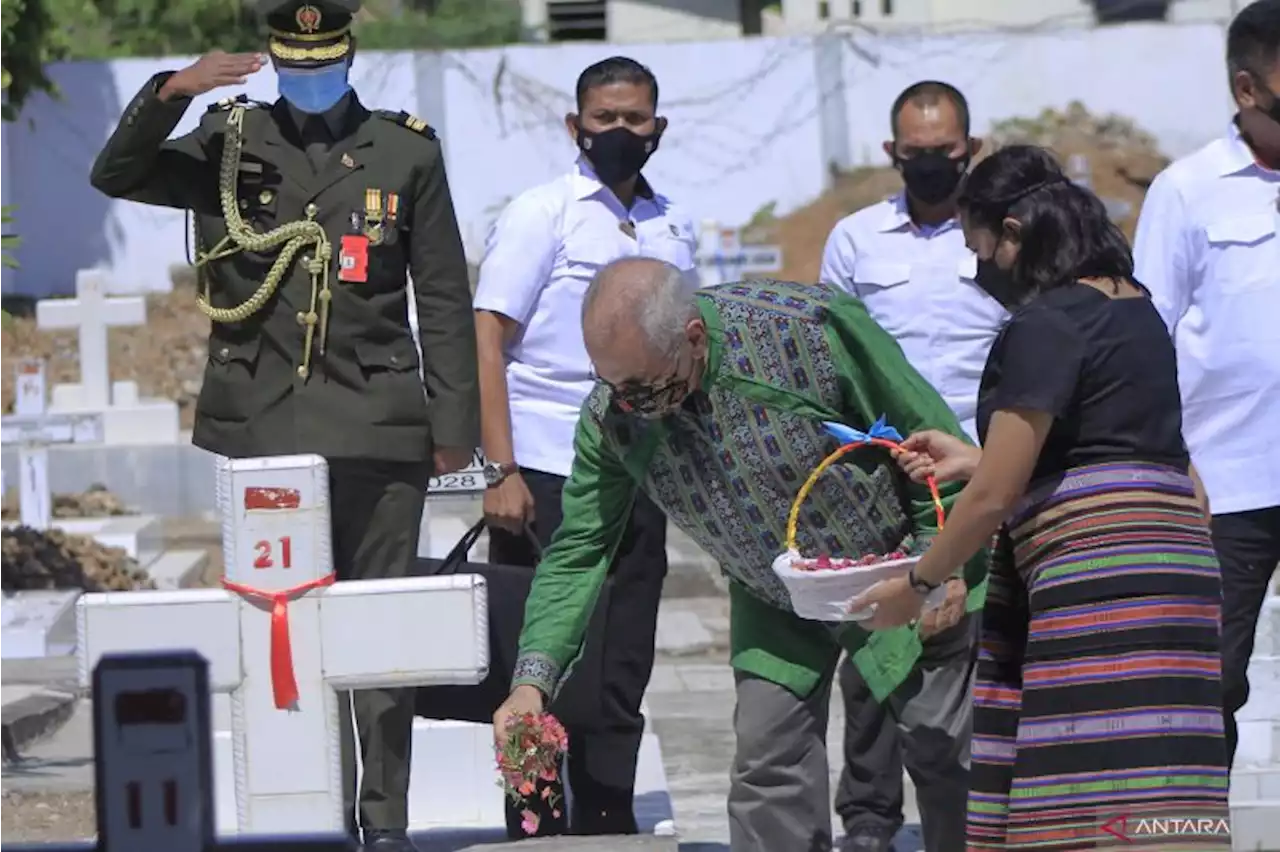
[(848, 435)]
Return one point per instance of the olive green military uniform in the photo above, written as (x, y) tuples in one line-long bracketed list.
[(325, 362)]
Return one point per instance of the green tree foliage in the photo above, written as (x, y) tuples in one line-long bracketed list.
[(37, 32), (387, 25), (8, 242), (108, 29), (29, 38)]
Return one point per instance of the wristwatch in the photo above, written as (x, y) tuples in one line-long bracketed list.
[(495, 473), (919, 586)]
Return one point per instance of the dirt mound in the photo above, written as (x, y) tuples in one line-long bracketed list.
[(52, 559), (1122, 160), (166, 357), (97, 502)]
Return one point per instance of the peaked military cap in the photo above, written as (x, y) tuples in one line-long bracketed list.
[(305, 33)]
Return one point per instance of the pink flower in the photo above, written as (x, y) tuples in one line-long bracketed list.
[(548, 773), (546, 793), (556, 813), (529, 821)]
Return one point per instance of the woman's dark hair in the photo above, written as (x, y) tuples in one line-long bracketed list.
[(1066, 232)]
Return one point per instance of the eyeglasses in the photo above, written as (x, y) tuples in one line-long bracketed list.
[(641, 398)]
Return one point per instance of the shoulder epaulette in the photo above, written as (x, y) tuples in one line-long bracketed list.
[(412, 122), (239, 100)]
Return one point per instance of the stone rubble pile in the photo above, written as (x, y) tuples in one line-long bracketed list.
[(96, 502), (52, 559)]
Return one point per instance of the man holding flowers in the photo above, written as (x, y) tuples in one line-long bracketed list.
[(711, 402)]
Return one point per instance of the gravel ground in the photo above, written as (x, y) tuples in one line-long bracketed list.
[(47, 817)]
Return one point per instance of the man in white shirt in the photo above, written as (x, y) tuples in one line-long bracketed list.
[(906, 259), (534, 376), (1208, 249)]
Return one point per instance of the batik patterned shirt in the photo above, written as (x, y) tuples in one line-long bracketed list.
[(727, 465)]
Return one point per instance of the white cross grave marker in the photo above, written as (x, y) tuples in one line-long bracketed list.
[(34, 429), (283, 662), (92, 312), (723, 259)]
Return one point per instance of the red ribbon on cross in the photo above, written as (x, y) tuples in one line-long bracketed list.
[(284, 685)]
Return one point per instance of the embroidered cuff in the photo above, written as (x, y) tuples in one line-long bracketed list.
[(537, 670)]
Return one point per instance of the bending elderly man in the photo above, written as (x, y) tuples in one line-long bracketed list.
[(711, 402)]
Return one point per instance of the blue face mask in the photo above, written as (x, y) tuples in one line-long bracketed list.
[(313, 90)]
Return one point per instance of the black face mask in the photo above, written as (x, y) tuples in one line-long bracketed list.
[(931, 176), (998, 284), (617, 154), (1273, 111)]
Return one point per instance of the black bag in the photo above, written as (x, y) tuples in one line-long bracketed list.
[(578, 705)]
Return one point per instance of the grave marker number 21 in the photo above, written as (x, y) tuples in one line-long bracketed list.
[(264, 556)]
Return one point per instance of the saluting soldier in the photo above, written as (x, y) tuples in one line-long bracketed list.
[(307, 213)]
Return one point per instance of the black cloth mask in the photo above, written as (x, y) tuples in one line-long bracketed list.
[(998, 284), (931, 176), (617, 154)]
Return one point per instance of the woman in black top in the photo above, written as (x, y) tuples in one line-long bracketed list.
[(1098, 699)]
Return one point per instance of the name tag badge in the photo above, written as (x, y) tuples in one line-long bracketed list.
[(353, 259)]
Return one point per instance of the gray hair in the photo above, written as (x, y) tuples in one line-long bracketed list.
[(662, 310)]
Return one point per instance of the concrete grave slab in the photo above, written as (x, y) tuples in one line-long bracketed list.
[(39, 623)]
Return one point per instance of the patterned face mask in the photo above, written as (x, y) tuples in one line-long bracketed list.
[(652, 401)]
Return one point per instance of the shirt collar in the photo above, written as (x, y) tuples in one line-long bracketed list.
[(715, 339), (898, 216), (586, 184), (1236, 155), (338, 119)]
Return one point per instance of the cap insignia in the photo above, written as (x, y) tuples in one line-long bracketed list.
[(308, 18)]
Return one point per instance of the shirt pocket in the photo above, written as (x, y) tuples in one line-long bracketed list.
[(585, 257), (676, 249), (877, 276), (1244, 253), (879, 284)]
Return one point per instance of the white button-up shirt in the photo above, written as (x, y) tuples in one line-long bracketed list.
[(1208, 250), (539, 258), (918, 284)]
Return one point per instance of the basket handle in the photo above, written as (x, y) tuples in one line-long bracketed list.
[(794, 517)]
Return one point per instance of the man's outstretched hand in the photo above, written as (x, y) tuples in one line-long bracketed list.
[(212, 71), (523, 699)]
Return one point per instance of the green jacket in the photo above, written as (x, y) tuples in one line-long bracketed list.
[(783, 358), (265, 391)]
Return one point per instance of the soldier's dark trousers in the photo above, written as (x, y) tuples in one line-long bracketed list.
[(602, 760), (376, 512)]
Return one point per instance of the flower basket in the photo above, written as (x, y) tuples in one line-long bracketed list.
[(822, 586)]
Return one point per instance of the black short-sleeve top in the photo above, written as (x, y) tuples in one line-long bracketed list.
[(1104, 368)]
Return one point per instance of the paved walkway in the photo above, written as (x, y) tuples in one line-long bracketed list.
[(691, 701)]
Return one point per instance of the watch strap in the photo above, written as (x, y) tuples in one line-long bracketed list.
[(921, 586), (497, 472)]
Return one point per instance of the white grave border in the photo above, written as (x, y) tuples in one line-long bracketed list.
[(227, 614)]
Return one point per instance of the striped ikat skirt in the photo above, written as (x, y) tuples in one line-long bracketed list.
[(1098, 702)]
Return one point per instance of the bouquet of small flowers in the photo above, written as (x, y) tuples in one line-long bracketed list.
[(529, 761)]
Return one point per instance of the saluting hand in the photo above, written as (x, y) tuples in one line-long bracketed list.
[(212, 71)]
